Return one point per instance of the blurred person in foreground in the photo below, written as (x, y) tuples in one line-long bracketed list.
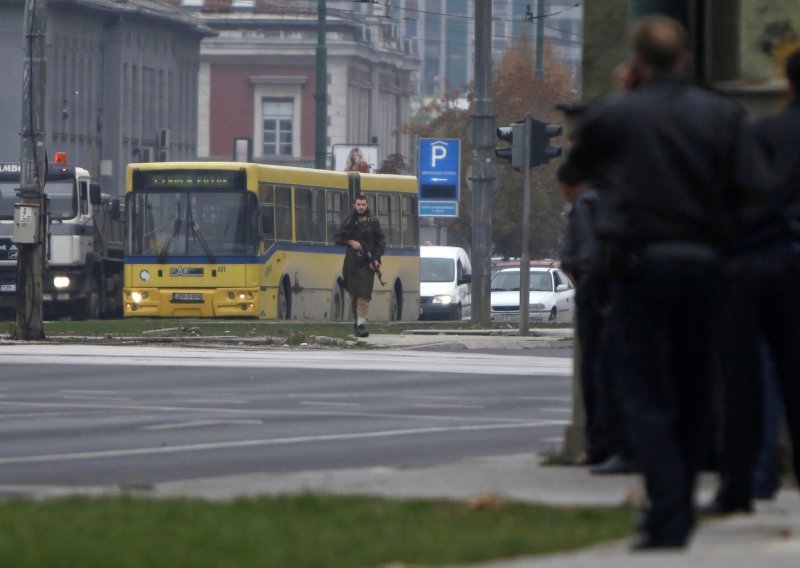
[(604, 432), (678, 172), (764, 301)]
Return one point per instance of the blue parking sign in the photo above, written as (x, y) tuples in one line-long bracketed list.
[(439, 177)]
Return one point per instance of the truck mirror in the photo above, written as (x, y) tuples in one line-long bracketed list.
[(465, 279), (95, 195)]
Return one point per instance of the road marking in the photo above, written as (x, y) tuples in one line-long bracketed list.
[(321, 403), (95, 397), (92, 392), (555, 409), (454, 406), (100, 454), (372, 361), (258, 412), (216, 401), (202, 423)]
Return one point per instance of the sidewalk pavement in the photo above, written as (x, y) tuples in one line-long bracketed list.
[(433, 339)]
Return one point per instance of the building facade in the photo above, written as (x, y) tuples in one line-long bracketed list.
[(121, 83), (257, 81)]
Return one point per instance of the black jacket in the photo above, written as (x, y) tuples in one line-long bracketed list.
[(676, 163), (779, 137)]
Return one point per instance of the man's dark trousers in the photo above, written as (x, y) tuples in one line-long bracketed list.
[(764, 301), (667, 306)]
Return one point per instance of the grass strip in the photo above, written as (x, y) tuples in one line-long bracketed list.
[(291, 531)]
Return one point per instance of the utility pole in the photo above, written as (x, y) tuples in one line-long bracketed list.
[(539, 40), (30, 213), (321, 96), (525, 256), (483, 182)]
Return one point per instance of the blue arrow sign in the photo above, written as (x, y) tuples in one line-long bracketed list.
[(439, 176)]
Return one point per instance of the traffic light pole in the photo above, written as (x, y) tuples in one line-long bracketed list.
[(525, 256), (30, 214), (482, 135)]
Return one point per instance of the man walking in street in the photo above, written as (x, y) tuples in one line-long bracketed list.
[(677, 170), (362, 235)]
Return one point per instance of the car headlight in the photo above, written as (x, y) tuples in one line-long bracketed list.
[(538, 307), (61, 282), (442, 299)]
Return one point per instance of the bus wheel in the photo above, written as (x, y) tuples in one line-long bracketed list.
[(284, 301), (396, 307), (337, 308)]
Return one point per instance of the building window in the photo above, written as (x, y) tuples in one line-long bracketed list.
[(276, 120)]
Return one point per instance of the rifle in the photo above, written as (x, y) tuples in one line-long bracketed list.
[(367, 257)]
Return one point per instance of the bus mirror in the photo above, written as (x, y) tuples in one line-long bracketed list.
[(115, 210)]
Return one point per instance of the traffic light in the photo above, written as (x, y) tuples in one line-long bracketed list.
[(515, 136), (541, 150)]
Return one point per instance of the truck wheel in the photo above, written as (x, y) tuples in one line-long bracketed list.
[(88, 307)]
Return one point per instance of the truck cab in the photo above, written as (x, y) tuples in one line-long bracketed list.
[(83, 276)]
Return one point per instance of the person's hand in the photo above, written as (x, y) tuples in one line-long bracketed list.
[(355, 244), (375, 265)]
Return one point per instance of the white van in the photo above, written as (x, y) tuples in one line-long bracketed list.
[(445, 274)]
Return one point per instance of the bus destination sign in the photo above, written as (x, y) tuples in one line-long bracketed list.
[(144, 180)]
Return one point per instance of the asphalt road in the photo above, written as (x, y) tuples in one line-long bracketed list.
[(133, 416)]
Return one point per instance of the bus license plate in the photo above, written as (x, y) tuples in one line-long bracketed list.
[(187, 297), (8, 287)]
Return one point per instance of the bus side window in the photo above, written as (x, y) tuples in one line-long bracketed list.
[(283, 213), (267, 221)]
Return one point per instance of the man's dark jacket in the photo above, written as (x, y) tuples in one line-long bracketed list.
[(357, 274), (779, 137), (675, 161)]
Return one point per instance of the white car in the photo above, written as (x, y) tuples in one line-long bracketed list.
[(551, 297)]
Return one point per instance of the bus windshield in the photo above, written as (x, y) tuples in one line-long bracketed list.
[(63, 200), (192, 223)]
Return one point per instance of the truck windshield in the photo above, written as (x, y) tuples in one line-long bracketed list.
[(186, 223), (8, 197), (63, 200)]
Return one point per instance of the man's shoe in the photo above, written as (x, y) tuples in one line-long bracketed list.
[(615, 465), (651, 543), (722, 509), (361, 331)]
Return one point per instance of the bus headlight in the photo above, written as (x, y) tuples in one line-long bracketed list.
[(61, 282), (144, 275), (136, 297)]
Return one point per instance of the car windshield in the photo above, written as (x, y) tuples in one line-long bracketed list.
[(508, 281), (63, 200), (436, 269), (184, 223)]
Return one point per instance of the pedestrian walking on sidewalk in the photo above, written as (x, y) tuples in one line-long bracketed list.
[(676, 164), (362, 235)]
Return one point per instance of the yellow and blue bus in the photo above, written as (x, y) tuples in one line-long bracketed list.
[(233, 239)]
